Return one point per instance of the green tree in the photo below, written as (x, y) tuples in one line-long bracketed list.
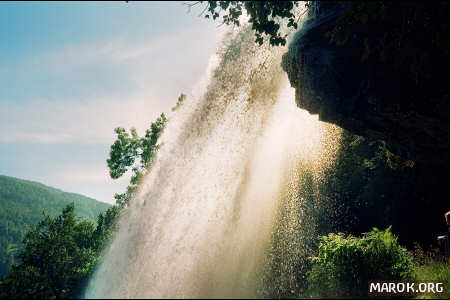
[(180, 102), (61, 253), (131, 151), (106, 226), (57, 259), (410, 35), (21, 206), (265, 16)]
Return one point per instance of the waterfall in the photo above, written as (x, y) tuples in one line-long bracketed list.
[(202, 223)]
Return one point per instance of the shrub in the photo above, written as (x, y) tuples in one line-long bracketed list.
[(432, 265), (345, 264), (57, 259)]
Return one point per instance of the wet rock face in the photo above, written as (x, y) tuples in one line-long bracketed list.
[(369, 98)]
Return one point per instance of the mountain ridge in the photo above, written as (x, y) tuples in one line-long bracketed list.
[(22, 204)]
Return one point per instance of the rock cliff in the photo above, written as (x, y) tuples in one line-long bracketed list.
[(379, 99)]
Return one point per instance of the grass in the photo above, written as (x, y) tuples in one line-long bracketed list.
[(432, 265)]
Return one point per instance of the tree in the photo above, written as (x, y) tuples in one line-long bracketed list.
[(265, 16), (61, 253), (106, 226), (412, 36), (57, 259), (131, 151), (180, 102)]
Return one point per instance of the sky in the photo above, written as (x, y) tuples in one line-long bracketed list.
[(71, 72)]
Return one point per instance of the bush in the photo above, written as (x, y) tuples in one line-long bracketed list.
[(57, 260), (345, 264), (433, 266)]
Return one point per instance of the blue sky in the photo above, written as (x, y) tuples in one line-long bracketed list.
[(70, 72)]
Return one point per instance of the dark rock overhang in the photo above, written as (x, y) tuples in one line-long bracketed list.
[(379, 100)]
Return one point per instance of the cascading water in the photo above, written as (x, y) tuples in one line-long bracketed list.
[(203, 221)]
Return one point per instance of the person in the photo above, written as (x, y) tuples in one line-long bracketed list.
[(443, 240)]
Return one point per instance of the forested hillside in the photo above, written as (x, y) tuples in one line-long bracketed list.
[(22, 204)]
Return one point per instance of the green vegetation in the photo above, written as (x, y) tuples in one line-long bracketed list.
[(59, 256), (365, 186), (22, 203), (61, 252), (180, 102), (345, 264), (137, 153), (431, 265), (406, 35), (265, 17)]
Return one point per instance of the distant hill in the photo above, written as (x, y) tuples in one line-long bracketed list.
[(21, 205)]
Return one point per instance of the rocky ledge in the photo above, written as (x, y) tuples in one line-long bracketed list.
[(379, 100)]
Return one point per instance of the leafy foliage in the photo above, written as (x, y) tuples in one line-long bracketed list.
[(21, 205), (364, 186), (432, 265), (265, 16), (106, 227), (370, 186), (137, 153), (59, 256), (180, 102), (344, 264), (57, 259), (404, 34), (61, 253), (123, 152)]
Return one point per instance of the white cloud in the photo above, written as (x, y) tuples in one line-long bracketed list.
[(78, 94), (92, 181), (90, 121), (90, 176), (159, 70)]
